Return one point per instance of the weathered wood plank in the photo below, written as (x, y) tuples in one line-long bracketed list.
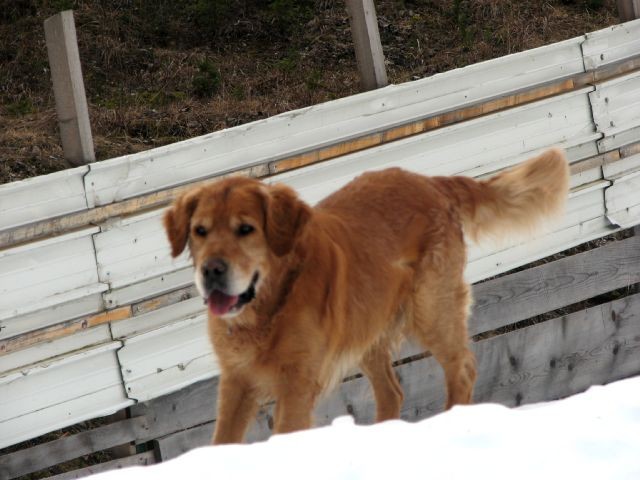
[(64, 329), (191, 406), (45, 455), (162, 301), (630, 150), (139, 460), (176, 444), (421, 126), (543, 362), (556, 284), (43, 197)]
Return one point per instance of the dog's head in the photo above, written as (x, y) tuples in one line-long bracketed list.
[(234, 228)]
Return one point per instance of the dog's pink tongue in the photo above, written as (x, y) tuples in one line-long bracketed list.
[(220, 303)]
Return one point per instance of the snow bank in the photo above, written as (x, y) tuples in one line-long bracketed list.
[(595, 434)]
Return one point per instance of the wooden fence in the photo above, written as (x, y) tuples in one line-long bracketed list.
[(95, 317)]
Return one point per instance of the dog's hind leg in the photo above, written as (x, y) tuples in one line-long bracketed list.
[(439, 311), (376, 365)]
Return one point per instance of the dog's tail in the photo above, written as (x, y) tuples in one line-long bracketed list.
[(515, 201)]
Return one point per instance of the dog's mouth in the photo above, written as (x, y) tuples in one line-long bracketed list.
[(221, 304)]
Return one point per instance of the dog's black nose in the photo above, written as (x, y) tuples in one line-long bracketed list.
[(213, 270)]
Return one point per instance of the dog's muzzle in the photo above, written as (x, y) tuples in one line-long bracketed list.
[(221, 303)]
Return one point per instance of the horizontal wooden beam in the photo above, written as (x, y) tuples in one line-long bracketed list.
[(57, 226), (139, 460), (67, 448), (534, 291)]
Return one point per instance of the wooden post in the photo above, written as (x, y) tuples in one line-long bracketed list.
[(628, 9), (366, 38), (68, 88)]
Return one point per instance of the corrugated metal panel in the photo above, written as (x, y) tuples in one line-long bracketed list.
[(611, 45), (60, 392), (476, 147), (168, 358), (42, 197), (616, 111), (41, 274), (622, 198), (343, 119)]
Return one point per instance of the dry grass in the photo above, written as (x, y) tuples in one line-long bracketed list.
[(143, 63)]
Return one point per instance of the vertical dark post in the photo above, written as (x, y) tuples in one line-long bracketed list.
[(366, 38), (628, 9), (68, 88)]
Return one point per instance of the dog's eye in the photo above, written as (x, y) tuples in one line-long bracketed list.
[(245, 229), (200, 231)]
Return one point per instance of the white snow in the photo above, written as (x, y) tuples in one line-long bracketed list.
[(593, 435)]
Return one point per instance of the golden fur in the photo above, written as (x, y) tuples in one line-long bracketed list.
[(297, 294)]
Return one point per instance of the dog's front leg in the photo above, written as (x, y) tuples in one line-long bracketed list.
[(295, 401), (237, 406)]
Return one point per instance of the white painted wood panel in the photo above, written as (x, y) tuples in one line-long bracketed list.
[(31, 274), (150, 287), (48, 350), (59, 392), (611, 45), (476, 147), (622, 200), (135, 249), (331, 122), (51, 310), (53, 417), (616, 110), (164, 360), (42, 197), (505, 260)]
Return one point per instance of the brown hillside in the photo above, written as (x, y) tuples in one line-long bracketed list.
[(161, 71)]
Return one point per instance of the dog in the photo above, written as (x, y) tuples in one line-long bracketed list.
[(298, 295)]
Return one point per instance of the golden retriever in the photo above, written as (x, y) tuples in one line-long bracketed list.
[(298, 295)]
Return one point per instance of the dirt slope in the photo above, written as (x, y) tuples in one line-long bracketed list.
[(161, 71)]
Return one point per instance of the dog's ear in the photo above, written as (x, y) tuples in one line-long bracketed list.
[(286, 216), (177, 220)]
